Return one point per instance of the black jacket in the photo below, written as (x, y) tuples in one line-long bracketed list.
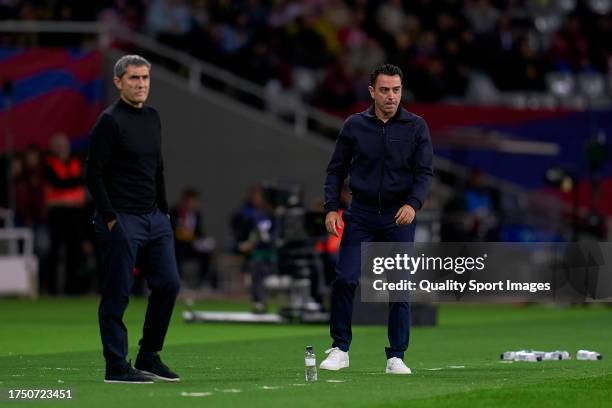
[(389, 164)]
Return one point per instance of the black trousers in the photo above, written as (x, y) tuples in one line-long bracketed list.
[(119, 250)]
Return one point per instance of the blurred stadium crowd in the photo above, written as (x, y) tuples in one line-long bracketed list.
[(323, 50)]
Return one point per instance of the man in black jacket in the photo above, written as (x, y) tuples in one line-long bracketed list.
[(125, 176), (386, 151)]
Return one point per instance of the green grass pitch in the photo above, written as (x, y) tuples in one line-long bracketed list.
[(54, 344)]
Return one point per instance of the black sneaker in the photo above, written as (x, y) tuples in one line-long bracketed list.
[(151, 364), (129, 375)]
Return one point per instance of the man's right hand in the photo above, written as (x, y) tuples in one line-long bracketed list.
[(111, 224), (333, 222)]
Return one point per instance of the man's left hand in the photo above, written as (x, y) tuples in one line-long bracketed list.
[(405, 215)]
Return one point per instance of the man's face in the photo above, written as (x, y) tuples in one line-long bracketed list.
[(134, 85), (32, 158), (192, 203), (60, 146), (387, 94)]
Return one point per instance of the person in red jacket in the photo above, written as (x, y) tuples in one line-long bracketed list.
[(65, 200)]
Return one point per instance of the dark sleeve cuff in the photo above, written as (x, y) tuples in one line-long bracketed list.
[(108, 217), (414, 203), (331, 207)]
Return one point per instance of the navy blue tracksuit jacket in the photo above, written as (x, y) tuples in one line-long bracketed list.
[(389, 164)]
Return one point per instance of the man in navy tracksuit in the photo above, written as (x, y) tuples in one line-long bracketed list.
[(387, 153)]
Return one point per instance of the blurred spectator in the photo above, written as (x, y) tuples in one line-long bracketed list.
[(128, 14), (65, 199), (260, 65), (255, 232), (30, 199), (367, 55), (390, 16), (235, 35), (169, 21), (339, 15), (530, 69), (336, 92), (569, 50), (190, 240), (482, 15), (472, 213), (283, 12), (308, 46), (404, 56)]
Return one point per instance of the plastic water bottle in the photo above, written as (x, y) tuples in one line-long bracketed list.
[(557, 355), (588, 355), (311, 364), (526, 356)]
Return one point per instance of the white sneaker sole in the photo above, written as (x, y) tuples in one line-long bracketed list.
[(157, 377), (340, 367), (388, 371), (127, 382)]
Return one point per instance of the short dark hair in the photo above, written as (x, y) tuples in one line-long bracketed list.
[(123, 62), (385, 69)]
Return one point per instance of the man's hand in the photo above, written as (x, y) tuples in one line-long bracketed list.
[(405, 215), (333, 222), (111, 224)]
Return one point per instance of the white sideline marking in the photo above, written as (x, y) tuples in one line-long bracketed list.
[(195, 394), (298, 385), (232, 390), (334, 381), (267, 387), (434, 369), (456, 366)]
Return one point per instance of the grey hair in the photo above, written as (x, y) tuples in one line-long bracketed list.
[(123, 62)]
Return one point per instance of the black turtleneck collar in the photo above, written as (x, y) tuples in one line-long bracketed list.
[(131, 108)]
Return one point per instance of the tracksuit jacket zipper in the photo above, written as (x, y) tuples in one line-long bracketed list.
[(382, 167)]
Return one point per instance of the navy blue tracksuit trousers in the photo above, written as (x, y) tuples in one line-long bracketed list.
[(365, 224), (119, 248)]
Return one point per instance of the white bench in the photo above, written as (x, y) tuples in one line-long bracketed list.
[(18, 271)]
